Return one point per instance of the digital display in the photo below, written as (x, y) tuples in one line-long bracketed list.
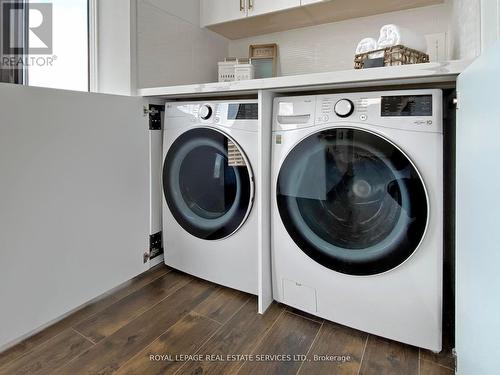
[(243, 111), (416, 105)]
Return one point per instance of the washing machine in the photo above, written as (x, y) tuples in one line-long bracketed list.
[(210, 222), (357, 206)]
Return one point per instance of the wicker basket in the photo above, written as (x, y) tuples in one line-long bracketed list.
[(396, 55)]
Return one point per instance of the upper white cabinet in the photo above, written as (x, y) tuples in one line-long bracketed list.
[(219, 11), (258, 7), (237, 19)]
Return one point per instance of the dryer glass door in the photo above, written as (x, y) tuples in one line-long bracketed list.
[(352, 201), (209, 197)]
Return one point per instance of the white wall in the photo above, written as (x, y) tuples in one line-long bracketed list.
[(116, 47), (172, 48), (331, 46), (74, 201), (466, 29), (490, 25)]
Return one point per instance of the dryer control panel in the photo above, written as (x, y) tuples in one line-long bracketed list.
[(412, 110), (241, 114)]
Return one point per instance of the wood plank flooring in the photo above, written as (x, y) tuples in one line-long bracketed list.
[(167, 322)]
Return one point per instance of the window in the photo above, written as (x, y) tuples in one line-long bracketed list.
[(45, 43)]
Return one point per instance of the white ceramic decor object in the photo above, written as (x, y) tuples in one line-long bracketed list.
[(393, 35), (366, 45)]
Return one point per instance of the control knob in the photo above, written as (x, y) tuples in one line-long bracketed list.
[(205, 112), (344, 108)]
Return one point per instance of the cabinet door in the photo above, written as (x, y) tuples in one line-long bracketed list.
[(477, 224), (74, 201), (257, 7), (218, 11)]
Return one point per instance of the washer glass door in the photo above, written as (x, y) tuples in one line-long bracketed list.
[(207, 196), (352, 201)]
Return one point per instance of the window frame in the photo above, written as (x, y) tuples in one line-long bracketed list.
[(15, 75), (21, 76), (92, 45)]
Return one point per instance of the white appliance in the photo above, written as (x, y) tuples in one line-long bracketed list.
[(209, 221), (357, 204)]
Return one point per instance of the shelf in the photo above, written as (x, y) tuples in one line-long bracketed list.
[(418, 74), (313, 14)]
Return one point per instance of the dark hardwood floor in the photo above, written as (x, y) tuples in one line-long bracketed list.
[(165, 312)]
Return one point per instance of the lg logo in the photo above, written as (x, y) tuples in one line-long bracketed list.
[(38, 17)]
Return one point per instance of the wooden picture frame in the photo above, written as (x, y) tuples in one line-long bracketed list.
[(261, 53)]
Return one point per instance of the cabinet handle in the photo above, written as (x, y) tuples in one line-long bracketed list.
[(250, 4), (242, 5)]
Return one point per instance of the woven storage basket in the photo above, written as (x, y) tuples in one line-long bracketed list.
[(396, 55)]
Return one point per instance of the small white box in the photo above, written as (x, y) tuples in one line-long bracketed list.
[(226, 70), (243, 72)]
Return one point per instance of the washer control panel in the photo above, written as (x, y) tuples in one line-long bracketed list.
[(413, 110), (416, 110)]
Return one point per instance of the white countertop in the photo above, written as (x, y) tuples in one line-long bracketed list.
[(395, 75)]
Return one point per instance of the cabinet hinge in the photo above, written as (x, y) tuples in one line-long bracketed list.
[(456, 101), (155, 247), (154, 112)]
